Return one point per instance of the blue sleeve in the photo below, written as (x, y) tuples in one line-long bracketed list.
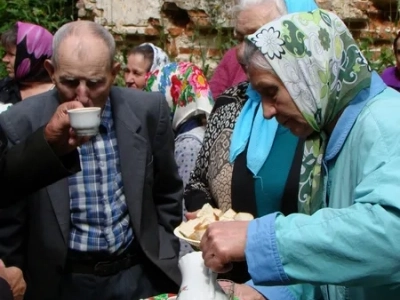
[(273, 292), (294, 6), (262, 256)]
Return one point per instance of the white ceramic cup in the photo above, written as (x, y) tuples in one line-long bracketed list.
[(85, 121)]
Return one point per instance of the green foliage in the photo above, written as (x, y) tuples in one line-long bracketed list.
[(379, 59), (50, 14)]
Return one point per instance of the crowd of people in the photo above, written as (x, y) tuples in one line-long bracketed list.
[(294, 127)]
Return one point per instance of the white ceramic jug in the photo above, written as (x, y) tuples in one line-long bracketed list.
[(198, 282)]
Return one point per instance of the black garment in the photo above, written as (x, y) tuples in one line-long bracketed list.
[(129, 284), (9, 91), (5, 290), (30, 166)]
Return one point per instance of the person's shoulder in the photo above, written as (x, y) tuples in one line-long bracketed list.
[(33, 103), (386, 103), (233, 96), (137, 98), (380, 117), (230, 54), (147, 106), (389, 70), (4, 82), (26, 115)]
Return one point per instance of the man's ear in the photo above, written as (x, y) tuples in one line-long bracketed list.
[(115, 69), (48, 65)]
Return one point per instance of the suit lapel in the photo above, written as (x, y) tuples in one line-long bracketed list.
[(133, 155), (58, 192)]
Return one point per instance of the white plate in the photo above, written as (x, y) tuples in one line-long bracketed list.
[(194, 243)]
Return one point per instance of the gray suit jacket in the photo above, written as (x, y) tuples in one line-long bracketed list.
[(34, 234)]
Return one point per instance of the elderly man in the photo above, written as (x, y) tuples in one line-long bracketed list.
[(105, 232)]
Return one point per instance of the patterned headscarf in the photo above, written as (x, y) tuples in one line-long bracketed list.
[(317, 59), (34, 46), (160, 57), (185, 88)]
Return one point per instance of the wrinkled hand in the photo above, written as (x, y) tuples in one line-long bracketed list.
[(245, 292), (15, 279), (58, 132), (192, 215), (223, 243)]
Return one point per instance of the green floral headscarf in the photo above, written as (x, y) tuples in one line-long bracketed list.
[(317, 59)]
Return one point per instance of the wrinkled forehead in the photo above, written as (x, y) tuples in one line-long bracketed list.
[(75, 53)]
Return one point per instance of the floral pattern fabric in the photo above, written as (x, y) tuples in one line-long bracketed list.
[(185, 88), (160, 58), (34, 46), (317, 59)]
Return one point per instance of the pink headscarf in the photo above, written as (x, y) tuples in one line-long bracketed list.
[(34, 46)]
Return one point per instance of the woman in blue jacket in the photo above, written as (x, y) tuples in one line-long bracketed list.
[(314, 80)]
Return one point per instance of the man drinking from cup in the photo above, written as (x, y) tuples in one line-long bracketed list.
[(107, 231)]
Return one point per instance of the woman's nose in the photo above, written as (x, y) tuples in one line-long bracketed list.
[(130, 78), (269, 110)]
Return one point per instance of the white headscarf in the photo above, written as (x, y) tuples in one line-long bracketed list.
[(160, 57)]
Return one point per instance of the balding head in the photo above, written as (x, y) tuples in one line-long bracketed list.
[(251, 15), (280, 5), (82, 66), (83, 37)]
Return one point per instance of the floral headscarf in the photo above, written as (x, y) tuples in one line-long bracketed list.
[(317, 59), (34, 46), (185, 88), (160, 57)]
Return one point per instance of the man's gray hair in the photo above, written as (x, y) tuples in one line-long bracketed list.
[(253, 56), (245, 4), (83, 27)]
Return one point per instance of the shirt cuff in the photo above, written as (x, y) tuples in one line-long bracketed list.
[(262, 256), (272, 292)]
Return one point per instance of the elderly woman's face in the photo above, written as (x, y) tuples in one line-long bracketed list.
[(135, 71), (277, 102), (9, 60)]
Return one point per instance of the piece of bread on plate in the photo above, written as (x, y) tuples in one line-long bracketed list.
[(229, 215), (188, 228), (204, 222), (242, 216), (206, 211), (197, 235)]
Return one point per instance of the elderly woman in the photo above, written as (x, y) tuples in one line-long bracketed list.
[(232, 169), (27, 47), (391, 75), (189, 97), (141, 60), (314, 80)]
